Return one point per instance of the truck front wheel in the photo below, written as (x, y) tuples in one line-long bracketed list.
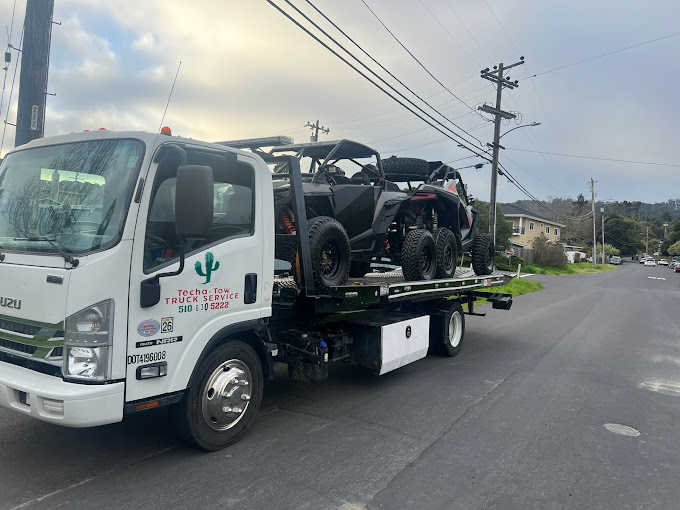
[(223, 399), (447, 330)]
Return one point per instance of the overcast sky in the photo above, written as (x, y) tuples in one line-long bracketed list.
[(247, 71)]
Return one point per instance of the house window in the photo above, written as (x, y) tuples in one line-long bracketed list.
[(531, 225), (547, 230), (541, 225), (513, 224), (555, 231)]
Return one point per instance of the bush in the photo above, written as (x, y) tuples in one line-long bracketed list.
[(509, 263), (547, 253)]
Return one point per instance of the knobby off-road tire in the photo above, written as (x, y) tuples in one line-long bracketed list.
[(447, 253), (223, 397), (483, 254), (330, 249), (394, 166), (418, 256), (447, 330)]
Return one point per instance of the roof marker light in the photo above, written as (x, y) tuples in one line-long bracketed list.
[(165, 130)]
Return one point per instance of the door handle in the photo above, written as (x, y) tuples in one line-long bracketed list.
[(250, 289)]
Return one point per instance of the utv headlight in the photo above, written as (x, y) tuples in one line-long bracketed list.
[(88, 336)]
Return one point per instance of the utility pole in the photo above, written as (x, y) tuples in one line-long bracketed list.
[(35, 57), (592, 190), (602, 211), (647, 242), (315, 130), (496, 76)]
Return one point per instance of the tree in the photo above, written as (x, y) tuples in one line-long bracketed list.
[(503, 227), (622, 233), (547, 253), (674, 248)]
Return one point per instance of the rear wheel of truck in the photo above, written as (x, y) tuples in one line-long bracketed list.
[(447, 253), (223, 398), (447, 330), (330, 249), (483, 254), (418, 256)]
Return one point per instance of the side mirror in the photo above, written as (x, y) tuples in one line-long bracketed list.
[(194, 196), (471, 200), (194, 204)]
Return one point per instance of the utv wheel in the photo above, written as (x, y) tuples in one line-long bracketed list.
[(447, 253), (483, 254), (223, 398), (447, 330), (359, 268), (418, 256), (412, 168), (329, 246)]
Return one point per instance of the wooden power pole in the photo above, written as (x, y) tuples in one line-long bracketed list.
[(501, 82), (35, 57)]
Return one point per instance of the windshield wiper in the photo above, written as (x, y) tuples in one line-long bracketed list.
[(68, 258)]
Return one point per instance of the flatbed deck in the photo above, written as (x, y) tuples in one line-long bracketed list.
[(391, 287)]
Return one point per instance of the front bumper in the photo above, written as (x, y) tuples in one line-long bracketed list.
[(51, 399)]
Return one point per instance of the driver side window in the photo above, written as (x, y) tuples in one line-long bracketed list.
[(233, 202)]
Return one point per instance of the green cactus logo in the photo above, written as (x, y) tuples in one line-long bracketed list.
[(210, 266)]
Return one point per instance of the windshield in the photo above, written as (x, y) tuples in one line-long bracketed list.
[(74, 194)]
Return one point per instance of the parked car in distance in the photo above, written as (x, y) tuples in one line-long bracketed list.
[(663, 262), (673, 264), (677, 268), (615, 259), (650, 262), (643, 259)]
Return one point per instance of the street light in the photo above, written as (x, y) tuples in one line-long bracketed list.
[(518, 127), (494, 172)]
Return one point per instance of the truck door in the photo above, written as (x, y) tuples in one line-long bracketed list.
[(221, 285)]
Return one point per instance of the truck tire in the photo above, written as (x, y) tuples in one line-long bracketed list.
[(330, 249), (395, 167), (230, 378), (447, 330), (418, 256), (483, 254), (447, 253)]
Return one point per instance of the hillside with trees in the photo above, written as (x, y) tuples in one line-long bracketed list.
[(630, 227)]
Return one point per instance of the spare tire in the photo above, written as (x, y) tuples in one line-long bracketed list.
[(418, 256), (330, 250), (397, 169), (483, 254)]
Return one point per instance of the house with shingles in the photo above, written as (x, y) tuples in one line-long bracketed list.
[(526, 226)]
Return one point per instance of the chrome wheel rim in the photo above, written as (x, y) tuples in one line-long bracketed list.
[(455, 328), (226, 395)]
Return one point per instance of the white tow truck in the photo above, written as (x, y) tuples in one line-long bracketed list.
[(138, 270)]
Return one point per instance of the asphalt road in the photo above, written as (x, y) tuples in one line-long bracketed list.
[(516, 421)]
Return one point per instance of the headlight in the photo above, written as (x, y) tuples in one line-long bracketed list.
[(88, 336)]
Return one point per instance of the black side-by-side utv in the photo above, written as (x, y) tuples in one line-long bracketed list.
[(361, 219)]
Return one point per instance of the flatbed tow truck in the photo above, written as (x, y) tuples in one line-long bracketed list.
[(138, 271)]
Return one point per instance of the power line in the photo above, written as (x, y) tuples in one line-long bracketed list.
[(380, 65), (11, 91), (9, 45), (450, 34), (540, 203), (502, 27), (308, 32), (597, 158), (607, 54), (414, 57), (469, 33)]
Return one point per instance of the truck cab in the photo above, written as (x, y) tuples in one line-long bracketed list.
[(88, 226)]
